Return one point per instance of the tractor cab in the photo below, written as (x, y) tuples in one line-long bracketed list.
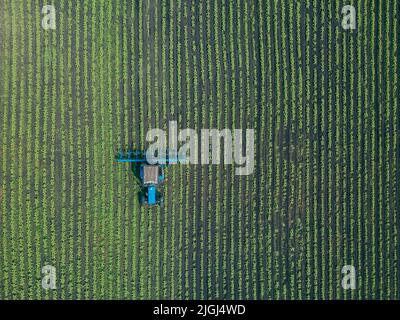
[(151, 174)]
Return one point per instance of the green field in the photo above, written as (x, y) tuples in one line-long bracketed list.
[(324, 104)]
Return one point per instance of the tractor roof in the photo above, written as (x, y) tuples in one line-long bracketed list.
[(150, 174)]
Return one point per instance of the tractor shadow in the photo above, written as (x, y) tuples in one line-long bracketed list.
[(134, 167)]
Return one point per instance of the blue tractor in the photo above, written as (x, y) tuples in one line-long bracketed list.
[(151, 175)]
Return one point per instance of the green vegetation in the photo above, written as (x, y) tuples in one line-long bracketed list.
[(324, 104)]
